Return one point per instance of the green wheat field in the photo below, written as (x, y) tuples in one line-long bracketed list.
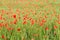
[(29, 19)]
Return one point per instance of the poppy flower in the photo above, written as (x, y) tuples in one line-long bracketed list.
[(32, 22), (46, 28), (6, 25), (9, 28), (24, 18), (30, 18), (18, 29), (3, 11), (14, 16), (3, 36), (24, 22), (17, 10), (0, 17), (55, 27), (37, 0), (43, 20), (58, 21), (15, 21), (41, 24), (45, 16), (22, 12), (1, 24)]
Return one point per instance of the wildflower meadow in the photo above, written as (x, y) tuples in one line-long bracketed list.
[(29, 19)]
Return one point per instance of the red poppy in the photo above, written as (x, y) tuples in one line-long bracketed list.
[(18, 29), (14, 16), (6, 25), (9, 28), (37, 0), (3, 36), (22, 12), (41, 24), (55, 27), (43, 20), (17, 10), (0, 17), (58, 21), (46, 28), (45, 16), (24, 22), (30, 18), (24, 18), (3, 11), (15, 21), (1, 24), (32, 22)]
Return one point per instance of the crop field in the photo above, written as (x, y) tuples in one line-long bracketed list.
[(29, 19)]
